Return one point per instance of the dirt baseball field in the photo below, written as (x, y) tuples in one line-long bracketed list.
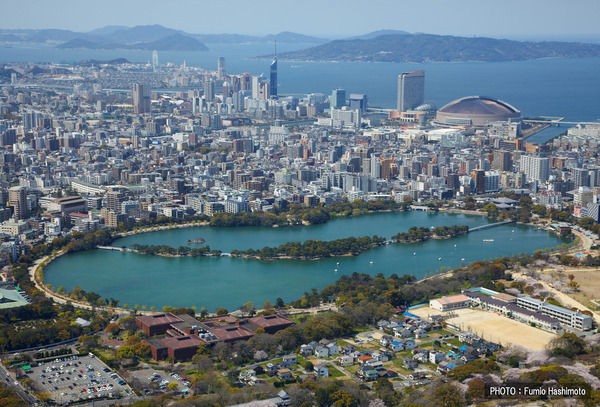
[(494, 327)]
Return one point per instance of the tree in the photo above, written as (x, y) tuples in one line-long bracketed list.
[(476, 389), (491, 209), (279, 303), (568, 345), (221, 311), (248, 308), (342, 398), (447, 395)]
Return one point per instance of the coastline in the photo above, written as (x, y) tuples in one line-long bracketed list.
[(148, 229)]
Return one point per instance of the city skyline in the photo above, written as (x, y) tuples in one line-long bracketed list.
[(526, 20)]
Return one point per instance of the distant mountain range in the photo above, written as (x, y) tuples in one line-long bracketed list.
[(406, 47), (377, 46), (144, 37)]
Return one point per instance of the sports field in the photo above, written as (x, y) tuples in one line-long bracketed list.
[(494, 327)]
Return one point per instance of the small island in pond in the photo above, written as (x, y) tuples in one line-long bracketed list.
[(419, 234)]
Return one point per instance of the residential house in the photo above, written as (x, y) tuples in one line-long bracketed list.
[(346, 360), (271, 369), (285, 374), (368, 375), (321, 370), (289, 360), (436, 357), (332, 348), (410, 363), (321, 352), (397, 346)]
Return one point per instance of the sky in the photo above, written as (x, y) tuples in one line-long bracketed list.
[(526, 19)]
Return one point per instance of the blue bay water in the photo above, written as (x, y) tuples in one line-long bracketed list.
[(563, 87)]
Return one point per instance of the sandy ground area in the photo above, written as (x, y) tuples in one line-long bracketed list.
[(564, 299), (494, 327)]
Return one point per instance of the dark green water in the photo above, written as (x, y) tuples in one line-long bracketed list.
[(230, 282)]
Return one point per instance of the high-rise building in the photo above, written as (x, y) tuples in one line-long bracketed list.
[(535, 168), (580, 177), (17, 198), (358, 102), (141, 98), (255, 86), (337, 99), (155, 60), (209, 90), (411, 90), (221, 67), (273, 77), (115, 196), (502, 160)]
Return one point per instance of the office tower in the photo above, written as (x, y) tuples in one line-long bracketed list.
[(337, 99), (115, 197), (221, 67), (155, 60), (375, 166), (502, 160), (411, 90), (580, 177), (255, 86), (246, 81), (141, 98), (264, 90), (209, 89), (535, 168), (273, 76), (358, 102), (17, 198), (478, 177)]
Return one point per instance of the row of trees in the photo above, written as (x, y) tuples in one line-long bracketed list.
[(74, 242), (312, 249), (420, 234)]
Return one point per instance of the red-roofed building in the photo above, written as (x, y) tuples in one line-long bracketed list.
[(156, 324), (269, 323), (231, 333), (179, 348)]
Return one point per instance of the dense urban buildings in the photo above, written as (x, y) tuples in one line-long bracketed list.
[(91, 157)]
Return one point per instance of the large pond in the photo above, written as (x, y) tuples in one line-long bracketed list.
[(214, 282)]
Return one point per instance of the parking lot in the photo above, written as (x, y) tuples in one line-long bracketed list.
[(73, 378), (158, 381)]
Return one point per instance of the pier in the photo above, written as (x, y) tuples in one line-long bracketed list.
[(117, 249)]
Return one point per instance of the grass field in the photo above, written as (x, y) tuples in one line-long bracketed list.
[(494, 328)]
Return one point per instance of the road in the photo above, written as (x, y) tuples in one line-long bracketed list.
[(11, 382)]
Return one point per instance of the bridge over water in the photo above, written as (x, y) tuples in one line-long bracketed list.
[(490, 225)]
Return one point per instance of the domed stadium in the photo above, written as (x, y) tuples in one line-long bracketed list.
[(475, 111)]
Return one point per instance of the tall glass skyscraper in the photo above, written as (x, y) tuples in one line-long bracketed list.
[(411, 90), (337, 98), (273, 77)]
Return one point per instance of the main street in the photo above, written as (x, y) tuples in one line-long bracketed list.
[(9, 380)]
